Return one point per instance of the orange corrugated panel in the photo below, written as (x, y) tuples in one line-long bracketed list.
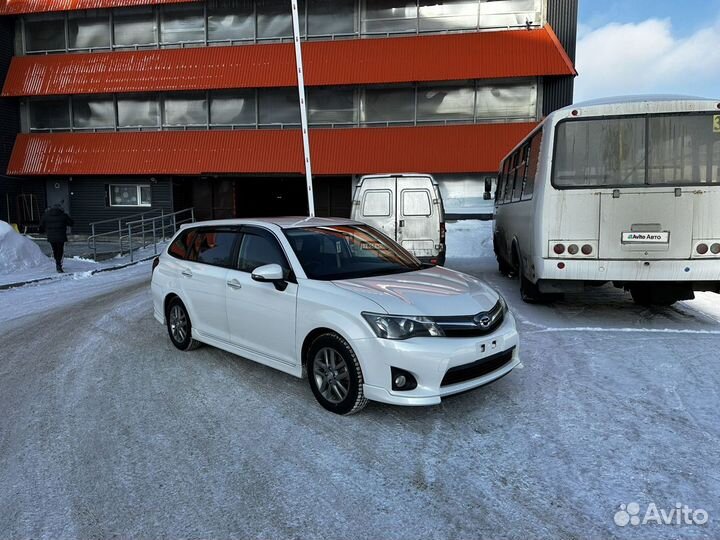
[(484, 55), (166, 152), (472, 148), (430, 149), (18, 7), (157, 70)]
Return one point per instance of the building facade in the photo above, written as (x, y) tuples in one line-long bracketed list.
[(115, 107)]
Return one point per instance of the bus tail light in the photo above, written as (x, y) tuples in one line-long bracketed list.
[(702, 249), (559, 249), (587, 249), (573, 249), (715, 249), (707, 249)]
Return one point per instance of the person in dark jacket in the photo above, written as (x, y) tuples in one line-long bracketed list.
[(55, 223)]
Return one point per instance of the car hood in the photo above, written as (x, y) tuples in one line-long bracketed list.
[(433, 291)]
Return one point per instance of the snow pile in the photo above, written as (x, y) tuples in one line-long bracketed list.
[(18, 252), (469, 238)]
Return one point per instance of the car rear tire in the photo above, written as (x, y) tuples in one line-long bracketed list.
[(334, 375), (179, 326)]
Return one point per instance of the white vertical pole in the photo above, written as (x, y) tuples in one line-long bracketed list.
[(303, 106)]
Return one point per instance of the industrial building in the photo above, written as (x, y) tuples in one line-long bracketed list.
[(115, 107)]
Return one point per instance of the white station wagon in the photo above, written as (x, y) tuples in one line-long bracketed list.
[(335, 300)]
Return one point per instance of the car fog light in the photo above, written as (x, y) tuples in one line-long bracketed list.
[(400, 381)]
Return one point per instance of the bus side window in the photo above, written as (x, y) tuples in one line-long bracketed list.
[(510, 184), (502, 183), (533, 166), (521, 172)]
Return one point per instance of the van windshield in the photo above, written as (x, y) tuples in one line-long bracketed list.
[(668, 149), (347, 252)]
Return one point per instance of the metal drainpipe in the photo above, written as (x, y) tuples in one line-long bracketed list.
[(303, 106)]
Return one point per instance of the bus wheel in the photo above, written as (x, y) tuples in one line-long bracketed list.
[(504, 268), (644, 295), (530, 292)]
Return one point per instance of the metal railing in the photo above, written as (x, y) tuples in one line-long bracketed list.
[(138, 231)]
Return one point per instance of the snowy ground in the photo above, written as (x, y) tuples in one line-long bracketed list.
[(107, 430)]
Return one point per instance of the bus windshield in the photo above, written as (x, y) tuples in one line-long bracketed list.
[(632, 151)]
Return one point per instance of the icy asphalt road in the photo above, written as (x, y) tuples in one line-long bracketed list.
[(106, 430)]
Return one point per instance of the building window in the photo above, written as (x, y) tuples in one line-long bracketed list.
[(45, 33), (383, 17), (330, 106), (443, 15), (273, 19), (507, 100), (231, 21), (49, 113), (134, 27), (446, 103), (182, 23), (93, 112), (130, 195), (138, 111), (89, 30), (388, 106), (232, 108), (186, 110), (278, 107), (331, 17)]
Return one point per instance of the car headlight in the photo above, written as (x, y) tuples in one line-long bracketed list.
[(399, 327)]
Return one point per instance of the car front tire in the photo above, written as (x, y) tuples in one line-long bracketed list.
[(334, 375), (179, 326)]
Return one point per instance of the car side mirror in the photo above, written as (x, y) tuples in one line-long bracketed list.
[(270, 273), (488, 190)]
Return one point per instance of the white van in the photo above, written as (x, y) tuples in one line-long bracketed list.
[(406, 207)]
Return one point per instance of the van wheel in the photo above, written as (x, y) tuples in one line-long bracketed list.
[(179, 326), (334, 375)]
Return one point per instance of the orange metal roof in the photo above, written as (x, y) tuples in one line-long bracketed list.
[(18, 7), (469, 148), (484, 55)]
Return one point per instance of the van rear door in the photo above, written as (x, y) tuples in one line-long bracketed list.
[(418, 228), (377, 204), (646, 224)]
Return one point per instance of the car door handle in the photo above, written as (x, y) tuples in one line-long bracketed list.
[(186, 273), (234, 284)]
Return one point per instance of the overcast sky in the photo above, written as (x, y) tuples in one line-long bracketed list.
[(648, 47)]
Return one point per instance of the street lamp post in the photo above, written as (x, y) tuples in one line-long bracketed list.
[(303, 106)]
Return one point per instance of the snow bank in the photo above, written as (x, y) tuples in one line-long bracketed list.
[(18, 252), (469, 238)]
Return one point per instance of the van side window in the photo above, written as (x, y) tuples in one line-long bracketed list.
[(376, 203), (416, 203), (214, 247), (533, 166)]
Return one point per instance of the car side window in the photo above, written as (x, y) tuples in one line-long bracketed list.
[(211, 246), (181, 246), (259, 248)]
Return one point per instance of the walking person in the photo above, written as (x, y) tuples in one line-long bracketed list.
[(55, 223)]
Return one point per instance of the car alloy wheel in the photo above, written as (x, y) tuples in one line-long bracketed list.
[(178, 324), (335, 375), (331, 375)]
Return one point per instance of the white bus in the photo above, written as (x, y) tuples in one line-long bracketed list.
[(625, 191)]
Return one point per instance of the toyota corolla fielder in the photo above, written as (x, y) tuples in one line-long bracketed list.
[(336, 300)]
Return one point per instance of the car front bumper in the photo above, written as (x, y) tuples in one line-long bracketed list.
[(428, 360)]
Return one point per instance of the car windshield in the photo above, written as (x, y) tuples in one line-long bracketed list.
[(347, 252)]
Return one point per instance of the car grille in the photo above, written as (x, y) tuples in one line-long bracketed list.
[(477, 369), (468, 326)]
